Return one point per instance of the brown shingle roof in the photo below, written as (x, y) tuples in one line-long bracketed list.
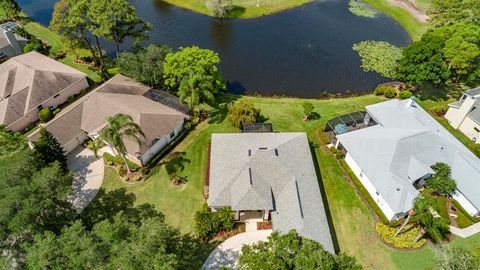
[(118, 95), (28, 80)]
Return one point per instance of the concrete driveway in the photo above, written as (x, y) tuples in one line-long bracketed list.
[(228, 253), (88, 176)]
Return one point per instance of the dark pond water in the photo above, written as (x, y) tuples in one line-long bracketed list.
[(300, 52)]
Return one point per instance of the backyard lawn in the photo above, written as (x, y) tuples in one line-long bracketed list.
[(243, 8)]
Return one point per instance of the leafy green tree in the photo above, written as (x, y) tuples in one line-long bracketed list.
[(35, 44), (447, 54), (10, 8), (453, 258), (49, 150), (436, 227), (193, 60), (379, 56), (120, 127), (291, 251), (447, 12), (196, 89), (11, 142), (441, 181), (242, 113), (307, 108), (70, 20), (116, 20), (45, 115), (115, 244), (32, 200), (145, 64), (208, 223)]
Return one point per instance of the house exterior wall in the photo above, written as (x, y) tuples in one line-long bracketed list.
[(465, 203), (62, 97), (160, 144), (386, 209), (75, 142), (468, 127), (456, 116)]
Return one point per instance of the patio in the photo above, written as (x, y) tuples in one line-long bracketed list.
[(347, 123)]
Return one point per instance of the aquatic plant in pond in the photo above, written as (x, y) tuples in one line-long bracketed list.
[(361, 9), (379, 56)]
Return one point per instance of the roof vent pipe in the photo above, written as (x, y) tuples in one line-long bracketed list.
[(411, 101)]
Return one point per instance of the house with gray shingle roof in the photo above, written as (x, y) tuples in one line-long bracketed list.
[(394, 158), (159, 114), (33, 81), (272, 174), (464, 114)]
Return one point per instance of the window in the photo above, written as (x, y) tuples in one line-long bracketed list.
[(476, 129), (56, 95), (172, 134)]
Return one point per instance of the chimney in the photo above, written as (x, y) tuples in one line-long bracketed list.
[(8, 33), (411, 102)]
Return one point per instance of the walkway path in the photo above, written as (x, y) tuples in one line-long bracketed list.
[(88, 176), (466, 232), (227, 253)]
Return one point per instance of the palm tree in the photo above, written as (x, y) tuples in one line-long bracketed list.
[(411, 213), (436, 227), (195, 89), (120, 127)]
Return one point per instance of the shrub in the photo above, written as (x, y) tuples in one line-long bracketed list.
[(208, 224), (71, 99), (119, 161), (56, 111), (307, 108), (380, 90), (220, 8), (390, 92), (405, 94), (242, 113), (45, 115), (35, 45), (404, 239), (440, 110)]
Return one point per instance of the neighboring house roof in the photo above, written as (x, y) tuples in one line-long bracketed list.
[(269, 171), (405, 144), (120, 94), (474, 113), (473, 91), (29, 80), (4, 41)]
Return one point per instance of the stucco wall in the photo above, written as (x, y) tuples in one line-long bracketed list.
[(456, 117), (468, 128), (458, 196), (452, 115), (386, 209), (78, 140), (160, 144)]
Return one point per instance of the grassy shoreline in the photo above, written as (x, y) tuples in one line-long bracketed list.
[(244, 9), (414, 28)]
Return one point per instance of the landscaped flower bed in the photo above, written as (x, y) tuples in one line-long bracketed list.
[(404, 239), (266, 225)]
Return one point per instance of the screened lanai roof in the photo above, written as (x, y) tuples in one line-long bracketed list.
[(349, 119)]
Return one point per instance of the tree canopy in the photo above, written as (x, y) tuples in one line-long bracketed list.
[(436, 227), (10, 141), (145, 64), (49, 150), (447, 12), (447, 54), (291, 251), (441, 181), (453, 258), (193, 60), (10, 8), (242, 113)]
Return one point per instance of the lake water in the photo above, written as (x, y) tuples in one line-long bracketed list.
[(300, 52)]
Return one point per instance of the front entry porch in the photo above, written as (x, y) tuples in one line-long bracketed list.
[(251, 218)]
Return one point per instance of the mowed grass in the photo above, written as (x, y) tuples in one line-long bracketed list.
[(353, 225), (243, 8), (414, 28)]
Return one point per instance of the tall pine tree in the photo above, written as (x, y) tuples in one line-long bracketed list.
[(48, 149)]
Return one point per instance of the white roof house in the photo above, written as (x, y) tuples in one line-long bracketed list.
[(392, 158), (464, 114), (273, 173)]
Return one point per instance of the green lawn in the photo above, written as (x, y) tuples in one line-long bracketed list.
[(243, 8), (353, 222), (414, 28)]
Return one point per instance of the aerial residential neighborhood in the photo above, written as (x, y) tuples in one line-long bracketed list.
[(238, 134)]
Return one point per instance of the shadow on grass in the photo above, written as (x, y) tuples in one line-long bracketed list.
[(236, 11), (107, 204), (193, 252), (324, 198), (220, 111), (428, 92)]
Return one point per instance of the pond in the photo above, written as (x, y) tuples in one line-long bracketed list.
[(302, 52)]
